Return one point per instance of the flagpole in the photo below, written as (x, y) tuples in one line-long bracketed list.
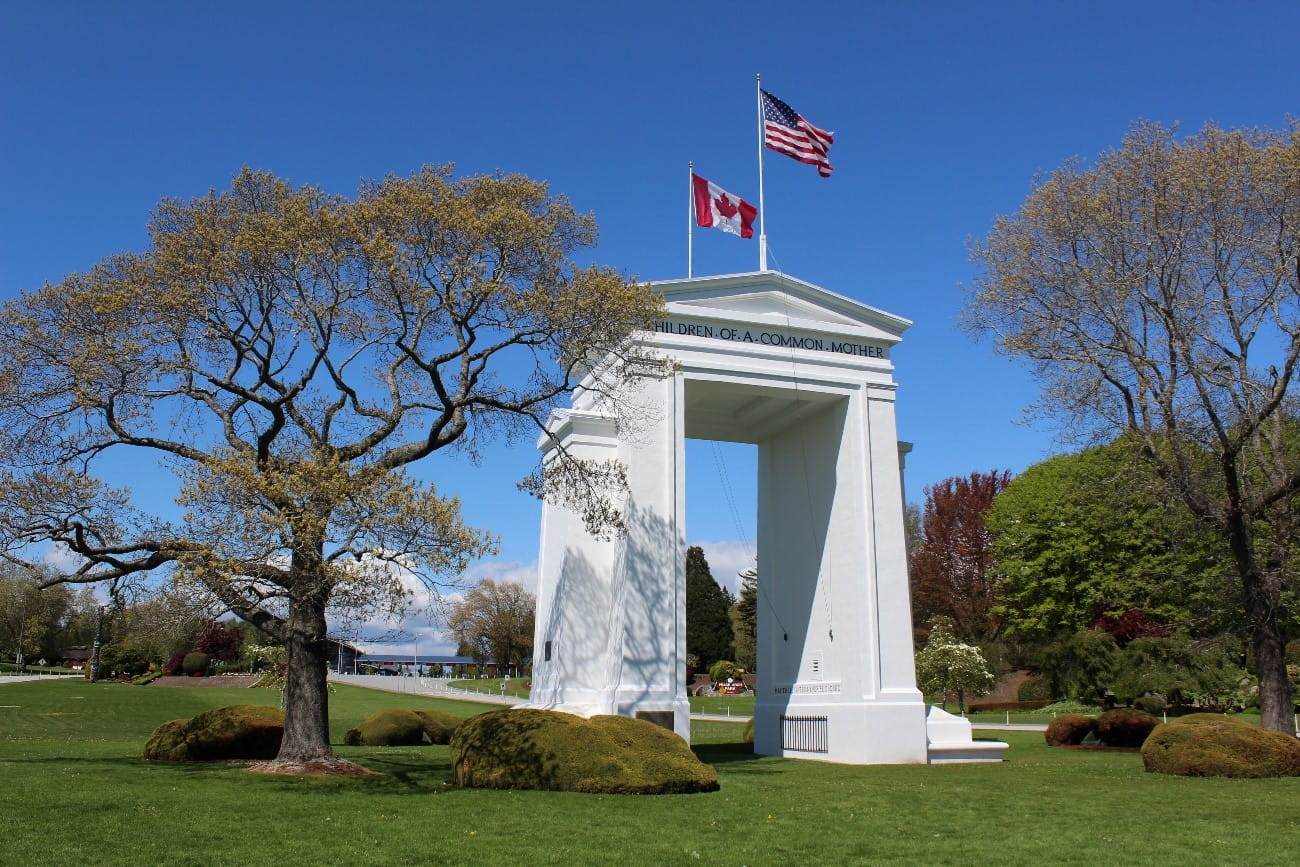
[(690, 215), (762, 219)]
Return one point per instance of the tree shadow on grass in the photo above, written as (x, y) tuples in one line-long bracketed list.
[(728, 754)]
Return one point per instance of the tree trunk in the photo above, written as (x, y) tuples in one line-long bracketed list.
[(306, 699), (1261, 597)]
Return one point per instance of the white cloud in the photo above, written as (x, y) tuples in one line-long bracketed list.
[(60, 559), (727, 559)]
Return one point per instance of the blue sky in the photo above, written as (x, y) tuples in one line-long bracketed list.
[(942, 113)]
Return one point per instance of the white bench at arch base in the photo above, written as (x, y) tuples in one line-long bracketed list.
[(807, 376)]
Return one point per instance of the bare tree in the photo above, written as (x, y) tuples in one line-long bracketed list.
[(495, 619), (1158, 292), (289, 355)]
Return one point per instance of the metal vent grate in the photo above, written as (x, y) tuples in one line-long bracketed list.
[(807, 734)]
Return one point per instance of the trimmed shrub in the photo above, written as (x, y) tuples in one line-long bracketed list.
[(749, 732), (1211, 745), (438, 726), (394, 727), (242, 731), (1069, 730), (1061, 708), (1125, 727), (1035, 688), (167, 743), (723, 669), (542, 749), (174, 662), (147, 678), (1152, 703), (195, 663), (1006, 705)]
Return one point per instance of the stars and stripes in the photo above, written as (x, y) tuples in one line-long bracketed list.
[(786, 131)]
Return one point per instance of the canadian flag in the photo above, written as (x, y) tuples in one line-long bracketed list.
[(718, 209)]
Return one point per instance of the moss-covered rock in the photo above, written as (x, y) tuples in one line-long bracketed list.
[(242, 731), (1212, 745), (541, 749), (398, 727), (1069, 730), (1125, 727)]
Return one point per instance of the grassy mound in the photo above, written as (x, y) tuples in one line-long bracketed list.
[(241, 731), (541, 749), (396, 727), (1211, 745), (748, 735), (1069, 730)]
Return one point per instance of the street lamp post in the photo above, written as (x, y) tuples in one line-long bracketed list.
[(94, 651)]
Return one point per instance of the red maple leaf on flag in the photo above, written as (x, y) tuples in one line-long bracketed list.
[(725, 207)]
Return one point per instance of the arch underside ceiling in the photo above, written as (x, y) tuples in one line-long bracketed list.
[(732, 412)]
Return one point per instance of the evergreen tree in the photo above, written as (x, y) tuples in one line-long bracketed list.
[(708, 627), (744, 621)]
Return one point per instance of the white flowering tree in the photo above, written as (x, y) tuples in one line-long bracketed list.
[(947, 666)]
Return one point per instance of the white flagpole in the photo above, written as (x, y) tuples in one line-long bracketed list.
[(690, 215), (762, 220)]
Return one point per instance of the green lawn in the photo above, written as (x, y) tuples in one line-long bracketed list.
[(74, 791), (723, 705), (517, 686)]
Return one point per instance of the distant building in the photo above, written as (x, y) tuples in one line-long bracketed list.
[(75, 658), (421, 665)]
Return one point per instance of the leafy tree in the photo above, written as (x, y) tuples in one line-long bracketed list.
[(1087, 536), (495, 621), (1176, 668), (150, 628), (744, 621), (291, 355), (221, 641), (723, 669), (1158, 293), (1081, 666), (952, 568), (29, 615), (945, 665), (708, 627)]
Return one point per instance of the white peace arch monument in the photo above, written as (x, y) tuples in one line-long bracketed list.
[(806, 375)]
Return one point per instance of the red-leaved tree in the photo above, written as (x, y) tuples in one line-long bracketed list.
[(221, 641), (952, 567)]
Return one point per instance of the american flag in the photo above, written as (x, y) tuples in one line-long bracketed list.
[(786, 131)]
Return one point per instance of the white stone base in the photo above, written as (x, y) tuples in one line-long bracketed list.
[(853, 733), (950, 740)]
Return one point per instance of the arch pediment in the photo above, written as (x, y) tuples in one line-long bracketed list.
[(769, 298)]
